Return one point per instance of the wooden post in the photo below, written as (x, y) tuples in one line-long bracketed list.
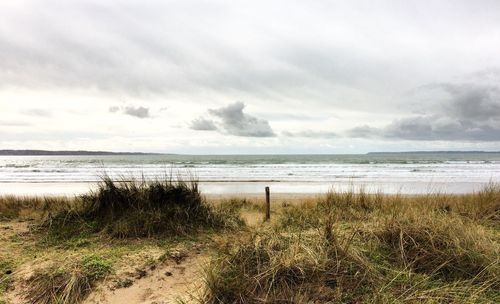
[(268, 205)]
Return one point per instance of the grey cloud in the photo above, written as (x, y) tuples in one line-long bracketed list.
[(363, 131), (477, 102), (300, 116), (310, 134), (472, 113), (139, 112), (202, 124), (235, 122), (441, 128), (114, 109), (423, 128)]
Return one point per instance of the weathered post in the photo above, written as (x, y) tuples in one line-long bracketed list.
[(268, 204)]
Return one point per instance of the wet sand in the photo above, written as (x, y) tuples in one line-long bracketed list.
[(257, 188)]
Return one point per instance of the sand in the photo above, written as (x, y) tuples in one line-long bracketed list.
[(170, 282)]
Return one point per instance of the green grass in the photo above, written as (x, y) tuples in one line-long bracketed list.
[(95, 267)]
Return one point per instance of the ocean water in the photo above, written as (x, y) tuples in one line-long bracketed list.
[(388, 172)]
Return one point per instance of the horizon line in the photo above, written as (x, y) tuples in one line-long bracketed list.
[(38, 152)]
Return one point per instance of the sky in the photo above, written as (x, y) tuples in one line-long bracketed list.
[(250, 77)]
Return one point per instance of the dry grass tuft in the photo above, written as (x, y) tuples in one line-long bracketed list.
[(434, 248), (15, 207), (66, 284), (269, 267), (442, 245)]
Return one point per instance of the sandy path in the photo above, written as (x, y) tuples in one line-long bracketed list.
[(21, 232), (169, 282)]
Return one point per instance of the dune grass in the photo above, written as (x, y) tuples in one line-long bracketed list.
[(343, 247), (271, 267), (445, 246), (355, 247), (65, 231), (140, 209)]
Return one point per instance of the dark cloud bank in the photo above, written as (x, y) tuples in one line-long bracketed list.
[(232, 120), (471, 113)]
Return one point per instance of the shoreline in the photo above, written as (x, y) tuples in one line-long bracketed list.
[(256, 188)]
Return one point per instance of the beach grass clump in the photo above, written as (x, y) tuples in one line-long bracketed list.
[(442, 245), (482, 206), (141, 209), (67, 283), (271, 267)]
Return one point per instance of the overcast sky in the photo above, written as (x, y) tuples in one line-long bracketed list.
[(250, 76)]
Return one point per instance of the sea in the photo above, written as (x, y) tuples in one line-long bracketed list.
[(405, 173)]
